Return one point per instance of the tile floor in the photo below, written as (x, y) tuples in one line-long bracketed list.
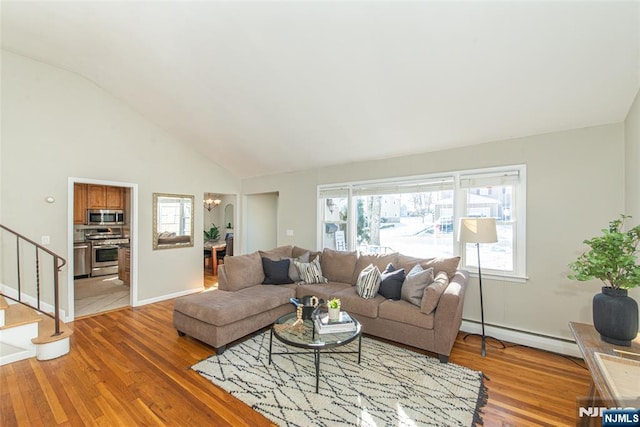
[(98, 294)]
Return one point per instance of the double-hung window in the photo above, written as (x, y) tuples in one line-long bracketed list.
[(334, 214), (498, 194), (419, 216)]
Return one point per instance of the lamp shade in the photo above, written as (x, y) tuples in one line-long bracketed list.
[(478, 230)]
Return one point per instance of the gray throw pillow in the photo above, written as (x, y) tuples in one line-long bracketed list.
[(294, 274), (415, 283)]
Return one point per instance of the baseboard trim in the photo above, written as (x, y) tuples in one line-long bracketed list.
[(33, 302), (529, 339), (168, 296)]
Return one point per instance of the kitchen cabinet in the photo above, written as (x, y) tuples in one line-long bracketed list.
[(115, 197), (124, 265), (79, 203), (104, 197)]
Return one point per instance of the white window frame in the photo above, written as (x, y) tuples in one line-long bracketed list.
[(455, 179), (517, 177)]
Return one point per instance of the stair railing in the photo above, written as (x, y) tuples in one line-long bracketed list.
[(58, 263)]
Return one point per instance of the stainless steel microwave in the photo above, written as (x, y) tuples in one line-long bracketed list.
[(105, 217)]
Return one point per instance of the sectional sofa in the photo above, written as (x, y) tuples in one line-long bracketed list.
[(242, 304)]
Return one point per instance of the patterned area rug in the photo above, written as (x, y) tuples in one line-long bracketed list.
[(392, 386)]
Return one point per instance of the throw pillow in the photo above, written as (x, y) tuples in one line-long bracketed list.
[(391, 281), (310, 272), (368, 282), (415, 283), (433, 292), (276, 272), (294, 274)]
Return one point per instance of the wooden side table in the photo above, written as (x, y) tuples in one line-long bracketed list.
[(589, 342)]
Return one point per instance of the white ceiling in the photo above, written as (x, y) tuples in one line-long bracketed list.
[(272, 86)]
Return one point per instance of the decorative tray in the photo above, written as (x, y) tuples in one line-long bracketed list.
[(621, 374)]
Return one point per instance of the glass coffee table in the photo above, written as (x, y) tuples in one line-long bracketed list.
[(308, 338)]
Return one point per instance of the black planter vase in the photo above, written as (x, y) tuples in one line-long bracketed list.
[(615, 316)]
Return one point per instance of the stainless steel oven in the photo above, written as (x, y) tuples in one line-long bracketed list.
[(104, 249), (104, 259)]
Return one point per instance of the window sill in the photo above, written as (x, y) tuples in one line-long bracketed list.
[(501, 277)]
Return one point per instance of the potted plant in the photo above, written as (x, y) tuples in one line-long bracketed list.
[(213, 233), (334, 309), (613, 259)]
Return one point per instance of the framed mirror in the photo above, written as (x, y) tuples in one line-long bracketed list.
[(172, 221)]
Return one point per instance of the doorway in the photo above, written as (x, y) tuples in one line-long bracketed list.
[(261, 221), (219, 221), (102, 218)]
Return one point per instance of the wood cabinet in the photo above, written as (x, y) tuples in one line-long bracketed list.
[(79, 203), (124, 265), (104, 197), (114, 197)]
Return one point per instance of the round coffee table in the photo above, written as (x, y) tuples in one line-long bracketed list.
[(308, 338)]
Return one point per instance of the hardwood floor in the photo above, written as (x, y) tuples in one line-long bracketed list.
[(129, 367)]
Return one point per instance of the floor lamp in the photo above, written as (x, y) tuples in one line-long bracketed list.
[(478, 230)]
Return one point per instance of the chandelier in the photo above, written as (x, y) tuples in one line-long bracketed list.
[(211, 201)]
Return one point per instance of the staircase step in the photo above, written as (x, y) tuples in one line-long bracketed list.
[(18, 314), (11, 353), (47, 328)]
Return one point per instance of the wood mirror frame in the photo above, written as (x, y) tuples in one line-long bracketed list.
[(172, 221)]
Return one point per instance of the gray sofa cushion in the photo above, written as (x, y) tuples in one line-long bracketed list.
[(379, 260), (242, 271), (408, 262), (338, 266), (278, 253), (405, 312), (448, 265), (351, 302), (326, 291), (297, 251), (222, 308)]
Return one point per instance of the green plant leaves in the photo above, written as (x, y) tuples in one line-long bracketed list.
[(612, 258), (213, 233)]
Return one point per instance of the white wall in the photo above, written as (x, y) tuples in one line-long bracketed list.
[(632, 160), (261, 222), (56, 125), (575, 186)]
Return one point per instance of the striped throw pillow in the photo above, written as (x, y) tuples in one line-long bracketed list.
[(368, 282), (310, 272)]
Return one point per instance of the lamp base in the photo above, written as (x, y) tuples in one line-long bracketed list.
[(483, 350)]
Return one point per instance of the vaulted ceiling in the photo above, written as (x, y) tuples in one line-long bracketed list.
[(263, 87)]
